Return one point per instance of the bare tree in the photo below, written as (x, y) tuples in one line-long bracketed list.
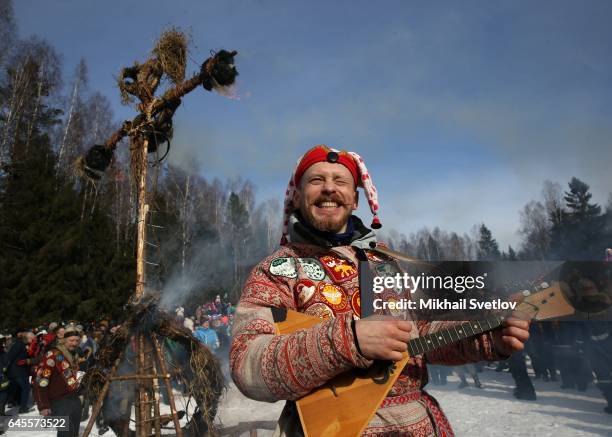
[(552, 193), (535, 230), (73, 130), (33, 75)]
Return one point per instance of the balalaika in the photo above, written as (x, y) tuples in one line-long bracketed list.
[(345, 404)]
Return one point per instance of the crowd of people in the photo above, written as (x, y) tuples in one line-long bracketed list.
[(570, 354), (210, 323), (44, 366)]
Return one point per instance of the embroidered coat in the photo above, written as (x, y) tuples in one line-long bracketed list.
[(321, 280), (56, 377)]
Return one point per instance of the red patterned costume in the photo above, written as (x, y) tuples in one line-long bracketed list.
[(311, 275), (56, 377)]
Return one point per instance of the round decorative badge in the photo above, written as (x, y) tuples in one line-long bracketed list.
[(320, 310), (50, 362), (304, 289), (65, 365), (46, 373), (60, 358), (283, 266), (49, 354), (356, 302), (333, 296), (43, 382), (389, 296), (312, 268)]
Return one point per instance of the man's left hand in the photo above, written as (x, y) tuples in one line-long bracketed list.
[(512, 337)]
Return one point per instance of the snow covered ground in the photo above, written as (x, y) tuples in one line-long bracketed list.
[(490, 411)]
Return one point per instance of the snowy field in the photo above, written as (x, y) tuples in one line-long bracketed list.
[(490, 411)]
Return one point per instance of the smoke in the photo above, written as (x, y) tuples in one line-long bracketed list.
[(206, 271)]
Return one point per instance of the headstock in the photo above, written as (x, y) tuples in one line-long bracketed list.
[(545, 304)]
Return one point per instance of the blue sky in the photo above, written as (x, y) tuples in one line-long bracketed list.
[(460, 109)]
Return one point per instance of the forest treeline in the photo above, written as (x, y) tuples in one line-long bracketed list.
[(67, 243), (564, 224)]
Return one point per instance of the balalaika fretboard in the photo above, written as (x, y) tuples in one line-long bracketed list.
[(443, 337)]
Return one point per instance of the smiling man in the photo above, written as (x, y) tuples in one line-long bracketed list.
[(316, 271)]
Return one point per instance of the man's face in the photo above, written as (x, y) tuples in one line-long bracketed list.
[(72, 342), (206, 324), (326, 196)]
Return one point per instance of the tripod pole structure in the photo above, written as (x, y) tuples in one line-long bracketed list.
[(143, 209)]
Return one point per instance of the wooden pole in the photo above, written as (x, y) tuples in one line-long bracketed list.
[(143, 209), (156, 412), (100, 401), (162, 367)]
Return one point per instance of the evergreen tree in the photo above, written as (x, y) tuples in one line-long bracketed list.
[(488, 249), (577, 200), (55, 265), (580, 236)]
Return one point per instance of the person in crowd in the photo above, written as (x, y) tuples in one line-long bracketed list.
[(518, 369), (438, 374), (57, 382), (19, 362), (207, 336), (188, 323), (58, 334), (4, 378), (569, 354), (468, 369), (599, 352)]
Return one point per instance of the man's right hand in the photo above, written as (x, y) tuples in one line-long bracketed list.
[(383, 338), (45, 412)]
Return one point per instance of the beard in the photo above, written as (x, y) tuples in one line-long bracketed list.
[(325, 223)]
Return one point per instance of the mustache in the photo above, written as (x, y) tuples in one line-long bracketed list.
[(335, 199)]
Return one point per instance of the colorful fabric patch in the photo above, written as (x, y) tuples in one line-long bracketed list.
[(39, 372), (65, 365), (304, 290), (71, 381), (60, 358), (46, 373), (333, 295), (312, 268), (43, 382), (339, 269), (356, 302), (283, 266), (320, 310), (392, 296), (49, 354), (67, 374), (386, 269), (50, 362)]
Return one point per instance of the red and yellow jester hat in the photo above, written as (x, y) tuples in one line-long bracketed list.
[(322, 153)]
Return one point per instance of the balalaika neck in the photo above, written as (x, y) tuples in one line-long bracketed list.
[(443, 337)]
